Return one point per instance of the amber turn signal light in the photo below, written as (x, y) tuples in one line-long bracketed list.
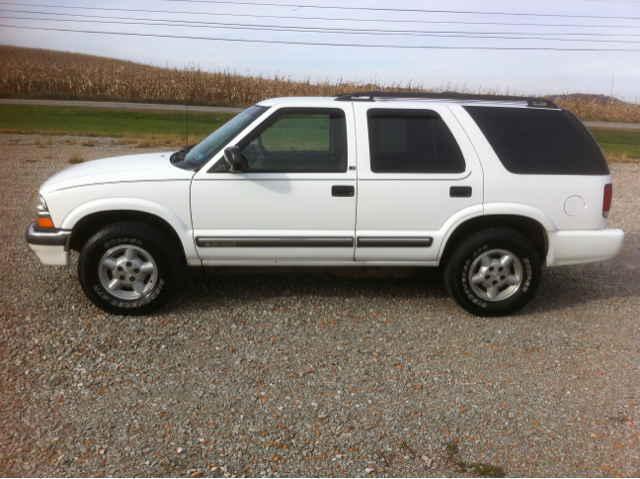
[(45, 223)]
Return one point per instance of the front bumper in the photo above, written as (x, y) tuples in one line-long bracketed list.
[(52, 247), (576, 247)]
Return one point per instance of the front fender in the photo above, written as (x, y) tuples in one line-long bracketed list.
[(182, 229)]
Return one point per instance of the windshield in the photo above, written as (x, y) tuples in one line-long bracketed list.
[(212, 144)]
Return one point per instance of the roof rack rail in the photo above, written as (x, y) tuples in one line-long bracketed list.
[(372, 95)]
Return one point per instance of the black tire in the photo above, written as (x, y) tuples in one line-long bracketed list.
[(498, 289), (154, 268)]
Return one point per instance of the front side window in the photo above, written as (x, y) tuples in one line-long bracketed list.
[(412, 141), (298, 140), (207, 148)]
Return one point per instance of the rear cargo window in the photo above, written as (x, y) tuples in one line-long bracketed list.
[(412, 141), (540, 142)]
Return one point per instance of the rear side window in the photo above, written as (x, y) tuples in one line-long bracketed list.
[(540, 142), (412, 141)]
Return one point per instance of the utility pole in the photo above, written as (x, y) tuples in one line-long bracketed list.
[(613, 78)]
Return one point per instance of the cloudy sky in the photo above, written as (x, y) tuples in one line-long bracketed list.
[(542, 47)]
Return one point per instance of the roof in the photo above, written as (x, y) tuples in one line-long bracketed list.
[(320, 100)]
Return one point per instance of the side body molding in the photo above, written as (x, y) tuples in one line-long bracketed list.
[(184, 232)]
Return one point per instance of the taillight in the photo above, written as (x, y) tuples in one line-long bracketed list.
[(606, 203)]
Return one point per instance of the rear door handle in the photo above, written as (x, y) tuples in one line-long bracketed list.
[(340, 190), (460, 192)]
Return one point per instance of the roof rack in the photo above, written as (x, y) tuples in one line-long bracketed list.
[(372, 95)]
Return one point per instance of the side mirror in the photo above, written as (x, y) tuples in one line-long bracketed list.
[(233, 159)]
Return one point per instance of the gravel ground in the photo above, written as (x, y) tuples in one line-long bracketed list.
[(312, 374)]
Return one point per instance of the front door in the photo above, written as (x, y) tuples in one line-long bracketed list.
[(295, 200)]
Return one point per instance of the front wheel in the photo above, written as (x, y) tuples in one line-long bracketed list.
[(128, 268), (494, 272)]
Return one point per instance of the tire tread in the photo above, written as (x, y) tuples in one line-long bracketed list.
[(461, 251), (149, 233)]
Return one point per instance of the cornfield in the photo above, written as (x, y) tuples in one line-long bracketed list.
[(35, 73), (600, 110)]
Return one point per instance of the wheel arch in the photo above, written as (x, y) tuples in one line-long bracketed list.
[(91, 223), (528, 227)]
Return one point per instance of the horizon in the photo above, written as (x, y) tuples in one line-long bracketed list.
[(318, 81)]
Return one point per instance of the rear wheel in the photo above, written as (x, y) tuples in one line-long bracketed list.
[(495, 272), (129, 268)]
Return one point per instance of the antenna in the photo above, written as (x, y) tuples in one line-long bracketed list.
[(188, 97)]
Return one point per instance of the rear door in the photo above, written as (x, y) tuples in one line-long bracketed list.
[(418, 176), (295, 200)]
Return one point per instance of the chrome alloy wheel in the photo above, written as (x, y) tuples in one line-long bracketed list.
[(127, 272), (495, 275)]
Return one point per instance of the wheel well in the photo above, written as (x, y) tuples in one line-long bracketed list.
[(90, 224), (530, 229)]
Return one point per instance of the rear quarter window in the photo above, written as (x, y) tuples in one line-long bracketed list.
[(540, 142)]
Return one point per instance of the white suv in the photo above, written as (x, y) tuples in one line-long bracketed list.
[(490, 188)]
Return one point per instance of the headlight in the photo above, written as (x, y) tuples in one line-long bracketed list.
[(44, 218), (42, 204)]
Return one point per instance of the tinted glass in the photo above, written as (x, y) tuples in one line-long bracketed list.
[(543, 142), (299, 140), (412, 141)]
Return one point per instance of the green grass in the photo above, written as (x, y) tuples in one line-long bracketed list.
[(157, 127), (618, 144), (107, 122)]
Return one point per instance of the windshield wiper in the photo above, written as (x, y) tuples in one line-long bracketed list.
[(178, 156)]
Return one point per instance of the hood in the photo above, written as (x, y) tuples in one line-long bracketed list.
[(146, 167)]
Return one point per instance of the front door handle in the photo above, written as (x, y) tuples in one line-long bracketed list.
[(340, 190)]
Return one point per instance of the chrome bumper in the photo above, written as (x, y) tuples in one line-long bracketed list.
[(52, 247)]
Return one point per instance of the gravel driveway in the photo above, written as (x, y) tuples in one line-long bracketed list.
[(309, 373)]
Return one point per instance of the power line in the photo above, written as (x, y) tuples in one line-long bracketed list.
[(430, 22), (326, 31), (612, 1), (186, 23), (356, 45), (405, 10)]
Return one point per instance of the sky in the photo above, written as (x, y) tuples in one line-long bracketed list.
[(532, 48)]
